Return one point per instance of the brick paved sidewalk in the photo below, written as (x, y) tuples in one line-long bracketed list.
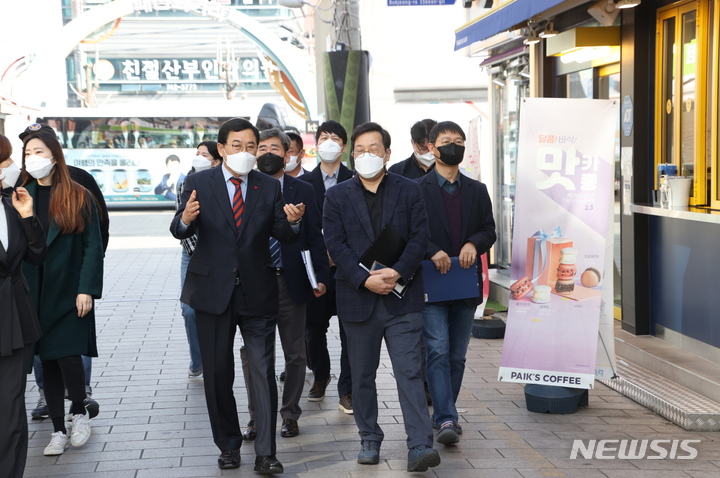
[(153, 421)]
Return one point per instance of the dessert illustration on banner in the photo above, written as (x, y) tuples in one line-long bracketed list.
[(541, 294), (566, 284), (566, 271), (590, 277), (551, 267)]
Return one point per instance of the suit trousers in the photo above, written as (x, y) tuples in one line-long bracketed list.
[(402, 339), (291, 326), (216, 334), (14, 432), (319, 312)]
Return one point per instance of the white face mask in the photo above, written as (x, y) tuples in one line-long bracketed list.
[(9, 176), (329, 151), (292, 164), (427, 159), (201, 163), (38, 166), (241, 163), (368, 165)]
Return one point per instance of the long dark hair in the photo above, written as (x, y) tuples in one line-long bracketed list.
[(69, 205)]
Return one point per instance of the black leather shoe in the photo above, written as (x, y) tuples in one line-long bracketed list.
[(229, 459), (289, 428), (268, 465), (249, 434)]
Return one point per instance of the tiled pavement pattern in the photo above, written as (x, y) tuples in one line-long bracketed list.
[(153, 422)]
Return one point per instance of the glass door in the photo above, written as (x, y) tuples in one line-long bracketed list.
[(507, 93)]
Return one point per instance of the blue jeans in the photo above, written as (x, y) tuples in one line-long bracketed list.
[(446, 330), (188, 314), (37, 369)]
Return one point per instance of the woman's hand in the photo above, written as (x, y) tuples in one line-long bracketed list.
[(22, 202), (84, 304)]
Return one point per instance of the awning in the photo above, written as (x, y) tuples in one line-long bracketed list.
[(500, 20)]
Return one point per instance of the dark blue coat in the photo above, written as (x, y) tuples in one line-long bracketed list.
[(349, 232), (223, 253), (478, 225), (295, 192)]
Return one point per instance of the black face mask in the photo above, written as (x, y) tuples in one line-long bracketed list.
[(451, 154), (270, 163)]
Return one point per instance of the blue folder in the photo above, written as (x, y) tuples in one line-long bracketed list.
[(457, 283)]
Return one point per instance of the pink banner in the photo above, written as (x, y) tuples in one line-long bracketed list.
[(564, 188)]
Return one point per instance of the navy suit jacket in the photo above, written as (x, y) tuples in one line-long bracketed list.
[(294, 192), (478, 224), (315, 178), (223, 252), (349, 232)]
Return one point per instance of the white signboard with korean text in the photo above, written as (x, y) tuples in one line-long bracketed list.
[(564, 194)]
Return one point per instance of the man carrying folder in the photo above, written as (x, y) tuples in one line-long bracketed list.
[(461, 225), (357, 213), (293, 281)]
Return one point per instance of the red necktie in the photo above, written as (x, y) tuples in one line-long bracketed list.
[(238, 205)]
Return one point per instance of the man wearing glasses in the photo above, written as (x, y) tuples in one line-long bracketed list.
[(461, 225), (230, 285), (355, 213)]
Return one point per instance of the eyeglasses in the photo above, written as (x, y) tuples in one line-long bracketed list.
[(237, 147), (375, 151), (421, 149), (458, 142)]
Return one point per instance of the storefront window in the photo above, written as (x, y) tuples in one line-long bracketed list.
[(668, 79), (506, 96), (580, 84), (687, 109), (682, 143)]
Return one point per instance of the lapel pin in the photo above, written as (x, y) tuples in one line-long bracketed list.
[(256, 187)]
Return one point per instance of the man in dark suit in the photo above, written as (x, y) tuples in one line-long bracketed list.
[(355, 214), (421, 161), (292, 279), (331, 139), (231, 282), (461, 225)]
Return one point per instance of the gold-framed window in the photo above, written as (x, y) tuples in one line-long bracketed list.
[(684, 105)]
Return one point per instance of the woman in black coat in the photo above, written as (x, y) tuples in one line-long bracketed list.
[(21, 238)]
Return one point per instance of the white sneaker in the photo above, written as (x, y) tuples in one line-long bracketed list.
[(58, 443), (80, 430)]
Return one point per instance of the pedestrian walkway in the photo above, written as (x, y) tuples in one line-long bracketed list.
[(153, 421)]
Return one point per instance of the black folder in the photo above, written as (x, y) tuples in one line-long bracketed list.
[(385, 251)]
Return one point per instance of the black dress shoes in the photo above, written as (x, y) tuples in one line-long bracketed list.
[(250, 433), (268, 465), (229, 459), (289, 428)]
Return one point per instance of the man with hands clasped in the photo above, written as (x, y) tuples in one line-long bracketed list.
[(231, 283), (355, 213), (461, 225)]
